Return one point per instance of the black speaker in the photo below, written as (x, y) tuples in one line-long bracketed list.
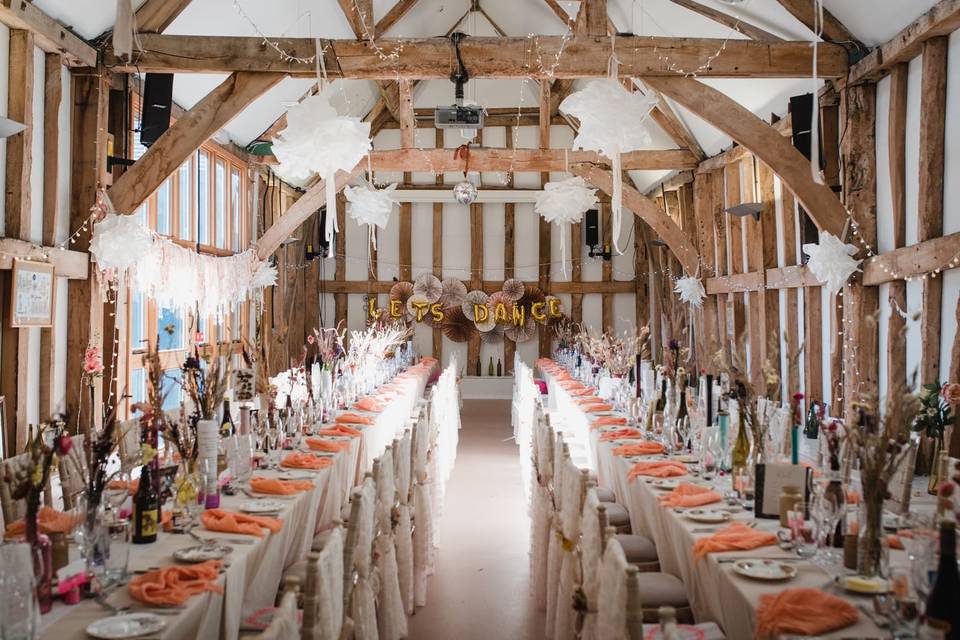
[(326, 248), (155, 113), (591, 228), (801, 112)]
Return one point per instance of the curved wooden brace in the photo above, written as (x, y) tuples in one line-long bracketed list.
[(647, 210), (305, 206), (763, 141)]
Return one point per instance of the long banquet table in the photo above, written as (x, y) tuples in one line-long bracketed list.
[(716, 592), (252, 572)]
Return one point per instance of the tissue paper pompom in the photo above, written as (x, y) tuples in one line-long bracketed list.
[(609, 117), (831, 261), (691, 290), (523, 332), (119, 242), (454, 292), (566, 200), (513, 289), (370, 206)]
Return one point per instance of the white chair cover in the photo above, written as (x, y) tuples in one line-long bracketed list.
[(404, 529), (323, 595), (591, 556), (541, 511), (73, 473), (360, 534), (285, 624), (612, 593), (391, 617), (574, 486)]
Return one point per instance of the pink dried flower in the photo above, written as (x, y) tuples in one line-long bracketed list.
[(951, 392), (92, 362), (310, 339), (947, 489), (797, 397)]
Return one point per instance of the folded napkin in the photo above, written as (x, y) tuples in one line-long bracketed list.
[(657, 469), (611, 421), (131, 486), (582, 392), (330, 446), (588, 400), (804, 612), (353, 418), (50, 521), (339, 430), (646, 448), (368, 404), (298, 460), (597, 408), (620, 433), (737, 536), (175, 585), (690, 495), (279, 487), (232, 522)]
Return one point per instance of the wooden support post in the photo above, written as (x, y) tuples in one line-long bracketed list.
[(791, 330), (544, 244), (641, 274), (703, 205), (896, 158), (736, 316), (769, 300), (340, 267), (406, 241), (721, 265), (933, 106), (88, 169), (860, 303), (476, 274)]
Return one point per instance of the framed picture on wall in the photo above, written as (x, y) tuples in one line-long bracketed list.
[(32, 292)]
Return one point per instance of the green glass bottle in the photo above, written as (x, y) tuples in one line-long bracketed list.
[(741, 446), (490, 367)]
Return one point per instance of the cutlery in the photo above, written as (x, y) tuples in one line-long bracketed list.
[(874, 618), (738, 559), (114, 611)]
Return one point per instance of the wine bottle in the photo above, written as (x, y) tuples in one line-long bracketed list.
[(146, 509), (479, 368), (490, 367), (226, 423), (499, 368), (943, 603), (741, 446), (662, 399)]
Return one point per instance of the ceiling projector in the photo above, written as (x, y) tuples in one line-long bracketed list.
[(458, 117)]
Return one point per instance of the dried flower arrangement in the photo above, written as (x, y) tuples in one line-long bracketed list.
[(207, 386), (936, 409), (30, 480)]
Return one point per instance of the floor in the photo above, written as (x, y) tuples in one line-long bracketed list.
[(481, 588)]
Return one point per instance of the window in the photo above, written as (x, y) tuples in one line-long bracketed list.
[(203, 198), (169, 330), (164, 222), (171, 389), (138, 385), (221, 204), (138, 321), (185, 200), (236, 211)]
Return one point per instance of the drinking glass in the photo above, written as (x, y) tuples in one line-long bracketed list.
[(19, 611), (803, 530), (117, 561)]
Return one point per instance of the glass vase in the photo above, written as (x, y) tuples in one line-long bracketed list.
[(42, 552), (937, 471), (869, 546)]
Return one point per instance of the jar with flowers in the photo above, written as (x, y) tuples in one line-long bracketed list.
[(935, 415)]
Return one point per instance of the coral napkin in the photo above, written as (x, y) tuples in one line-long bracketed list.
[(175, 585), (368, 404), (353, 418), (279, 487), (645, 448), (805, 612), (620, 433), (340, 430), (331, 446), (690, 495), (232, 522), (131, 486), (597, 408), (735, 537), (51, 521), (613, 421), (657, 469), (297, 460), (588, 400), (582, 392)]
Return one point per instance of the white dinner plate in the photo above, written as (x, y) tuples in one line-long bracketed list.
[(295, 475), (860, 584), (768, 570), (129, 625), (708, 516), (201, 553), (666, 484), (262, 506), (687, 458)]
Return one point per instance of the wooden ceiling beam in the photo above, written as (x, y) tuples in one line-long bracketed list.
[(560, 12), (833, 30), (727, 20), (942, 20), (50, 35), (596, 16), (670, 122), (485, 57), (156, 15), (761, 139), (186, 135), (394, 16), (645, 209), (359, 13)]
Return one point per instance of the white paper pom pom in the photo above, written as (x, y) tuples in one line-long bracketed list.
[(831, 261), (370, 206), (119, 242), (565, 202), (690, 289)]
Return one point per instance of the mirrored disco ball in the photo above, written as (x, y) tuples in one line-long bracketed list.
[(464, 192)]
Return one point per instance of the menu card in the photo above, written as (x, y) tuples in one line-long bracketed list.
[(771, 479)]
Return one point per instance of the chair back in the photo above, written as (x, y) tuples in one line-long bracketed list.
[(73, 473), (323, 613), (403, 466), (612, 593), (13, 510), (128, 441), (285, 624)]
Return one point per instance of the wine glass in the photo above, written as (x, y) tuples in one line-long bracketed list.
[(19, 610), (803, 530)]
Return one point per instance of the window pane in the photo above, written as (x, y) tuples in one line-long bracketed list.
[(138, 322), (203, 199), (235, 208), (163, 208), (186, 217), (142, 215), (138, 385), (171, 389), (221, 202), (170, 328), (235, 322)]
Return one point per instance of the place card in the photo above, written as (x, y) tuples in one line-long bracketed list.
[(770, 481)]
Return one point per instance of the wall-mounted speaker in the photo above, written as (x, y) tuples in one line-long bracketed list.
[(591, 228), (801, 113), (326, 248), (155, 112)]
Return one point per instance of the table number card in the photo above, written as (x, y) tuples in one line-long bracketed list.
[(771, 479), (244, 385)]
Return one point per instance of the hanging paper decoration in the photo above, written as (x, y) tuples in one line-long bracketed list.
[(318, 140), (611, 123), (370, 206), (454, 292), (428, 286), (464, 192), (831, 261), (691, 290), (174, 276), (565, 202), (513, 288)]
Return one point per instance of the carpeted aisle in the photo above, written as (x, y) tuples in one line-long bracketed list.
[(481, 588)]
